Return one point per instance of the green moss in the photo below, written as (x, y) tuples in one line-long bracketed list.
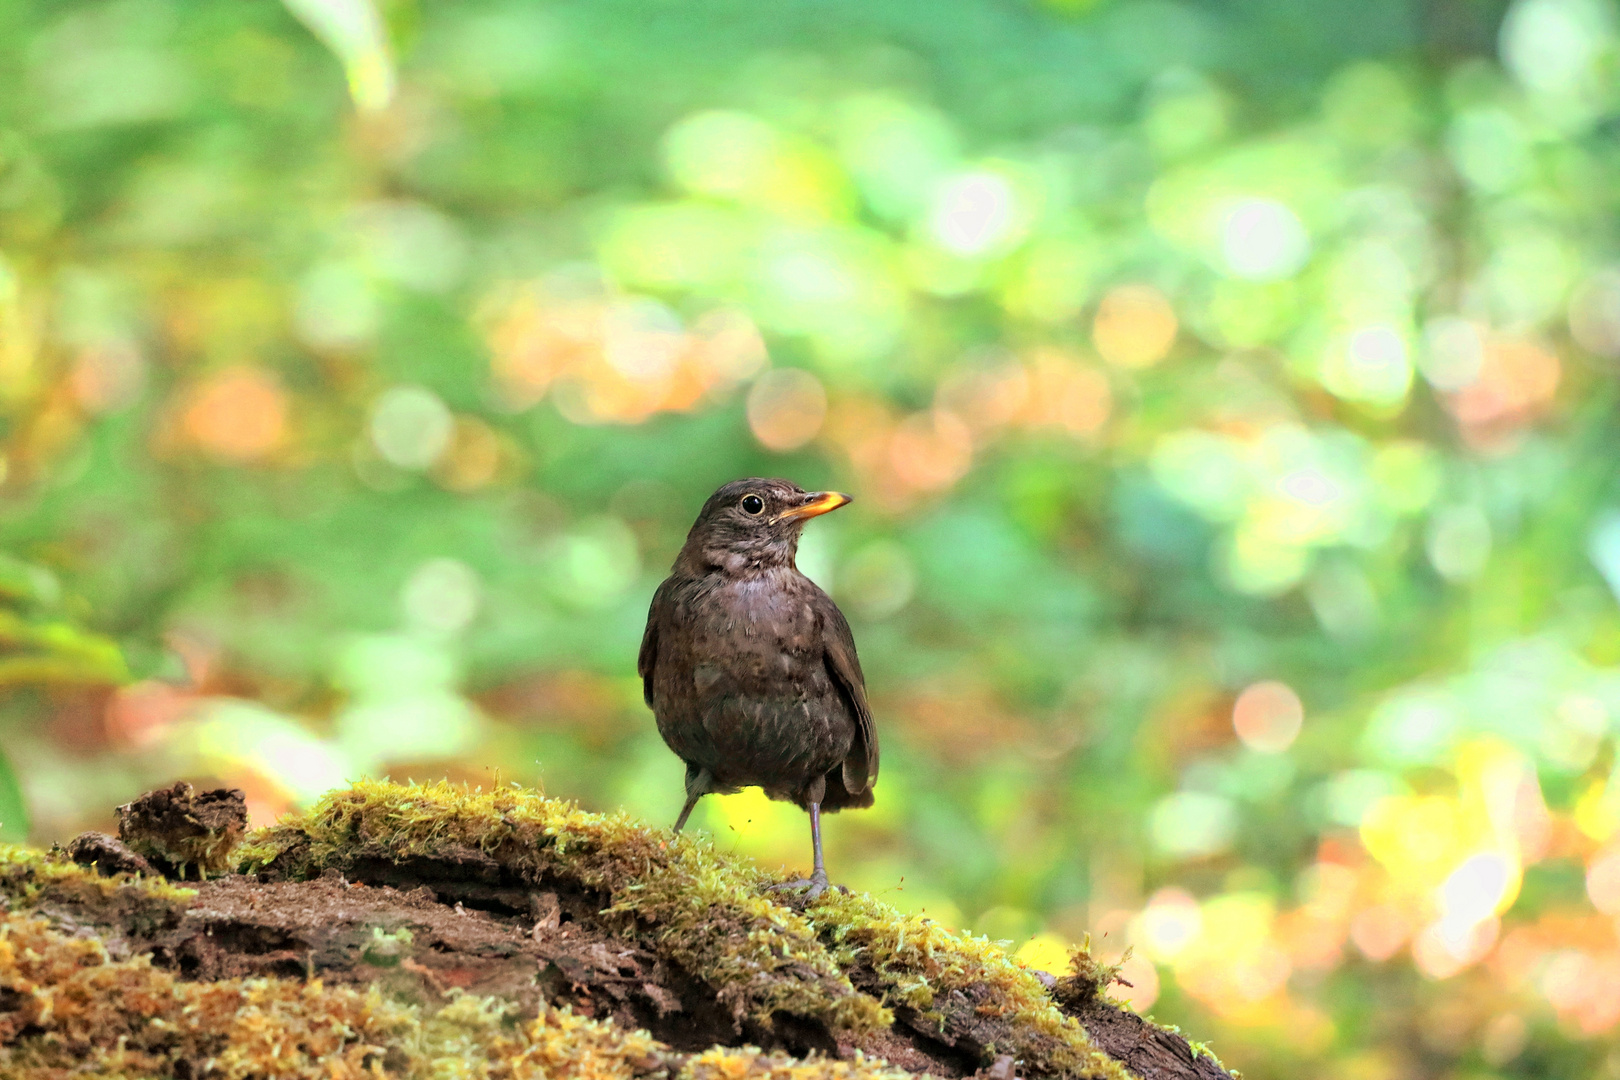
[(706, 913), (698, 909), (920, 965), (750, 1064), (1087, 968), (387, 949), (701, 911), (1202, 1050), (76, 1008), (1088, 978), (73, 1008), (1194, 1047), (34, 879)]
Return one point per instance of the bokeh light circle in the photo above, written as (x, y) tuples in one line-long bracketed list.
[(441, 597), (786, 407), (1135, 326), (1268, 716), (411, 427), (1263, 240), (1594, 314), (974, 213), (1170, 923), (1603, 881), (238, 414)]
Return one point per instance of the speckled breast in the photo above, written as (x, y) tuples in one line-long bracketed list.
[(758, 705)]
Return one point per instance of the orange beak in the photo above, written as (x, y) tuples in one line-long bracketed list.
[(821, 502)]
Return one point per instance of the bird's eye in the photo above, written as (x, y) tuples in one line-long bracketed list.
[(753, 504)]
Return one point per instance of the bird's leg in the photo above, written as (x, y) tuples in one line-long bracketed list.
[(818, 875), (817, 882), (699, 782), (686, 811)]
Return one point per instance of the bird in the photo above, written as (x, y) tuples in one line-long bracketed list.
[(750, 669)]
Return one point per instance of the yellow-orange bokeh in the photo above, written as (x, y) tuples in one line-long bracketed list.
[(1135, 326), (238, 414)]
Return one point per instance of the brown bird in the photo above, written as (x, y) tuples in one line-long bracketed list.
[(751, 669)]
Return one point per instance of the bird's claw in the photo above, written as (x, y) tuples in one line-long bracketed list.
[(811, 887)]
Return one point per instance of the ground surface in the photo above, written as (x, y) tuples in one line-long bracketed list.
[(378, 893)]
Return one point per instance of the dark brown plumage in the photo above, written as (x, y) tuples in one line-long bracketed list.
[(751, 669)]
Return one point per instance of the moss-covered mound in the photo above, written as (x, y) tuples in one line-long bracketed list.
[(433, 931), (701, 912), (71, 1010)]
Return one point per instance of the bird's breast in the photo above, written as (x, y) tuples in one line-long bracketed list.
[(742, 683), (751, 634)]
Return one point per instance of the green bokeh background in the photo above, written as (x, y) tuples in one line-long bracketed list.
[(361, 369)]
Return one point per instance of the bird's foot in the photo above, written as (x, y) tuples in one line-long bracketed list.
[(810, 888)]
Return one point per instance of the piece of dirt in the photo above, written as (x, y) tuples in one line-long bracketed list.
[(179, 829), (107, 855)]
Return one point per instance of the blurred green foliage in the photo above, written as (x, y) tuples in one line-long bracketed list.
[(1227, 391)]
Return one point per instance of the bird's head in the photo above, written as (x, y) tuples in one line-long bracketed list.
[(753, 523)]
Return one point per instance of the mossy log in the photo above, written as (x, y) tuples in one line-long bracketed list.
[(432, 931)]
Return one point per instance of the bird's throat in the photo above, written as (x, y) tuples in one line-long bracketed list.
[(744, 556)]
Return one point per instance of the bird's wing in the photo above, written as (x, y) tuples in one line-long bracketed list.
[(649, 641), (861, 767)]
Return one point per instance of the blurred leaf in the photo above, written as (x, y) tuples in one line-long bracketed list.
[(13, 809)]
